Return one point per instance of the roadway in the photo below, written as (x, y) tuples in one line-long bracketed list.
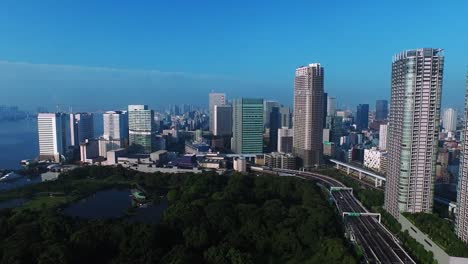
[(377, 243)]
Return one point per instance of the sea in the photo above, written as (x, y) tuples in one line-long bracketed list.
[(19, 140)]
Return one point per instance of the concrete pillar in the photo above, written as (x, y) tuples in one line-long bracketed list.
[(337, 166), (347, 170), (360, 175), (377, 182)]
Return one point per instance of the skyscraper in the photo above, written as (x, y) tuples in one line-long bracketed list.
[(381, 110), (275, 124), (383, 136), (325, 108), (81, 128), (308, 114), (331, 105), (115, 135), (285, 140), (53, 132), (141, 128), (222, 118), (449, 121), (215, 99), (247, 127), (267, 108), (362, 116), (413, 130), (461, 216), (286, 117)]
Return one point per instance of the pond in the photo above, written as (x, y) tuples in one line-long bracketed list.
[(13, 203), (23, 181), (112, 204)]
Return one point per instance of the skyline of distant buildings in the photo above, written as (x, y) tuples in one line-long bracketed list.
[(401, 141)]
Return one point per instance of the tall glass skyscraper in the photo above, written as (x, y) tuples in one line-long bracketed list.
[(362, 116), (413, 130), (308, 114), (381, 110), (247, 126), (141, 129)]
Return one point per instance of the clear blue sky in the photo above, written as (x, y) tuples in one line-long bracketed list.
[(105, 54)]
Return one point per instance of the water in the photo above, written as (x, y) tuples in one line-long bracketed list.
[(12, 203), (8, 185), (19, 140), (112, 204)]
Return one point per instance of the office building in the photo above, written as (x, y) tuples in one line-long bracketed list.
[(308, 115), (362, 116), (89, 151), (374, 159), (116, 126), (278, 160), (285, 140), (267, 108), (115, 135), (215, 99), (449, 121), (247, 127), (331, 105), (240, 163), (383, 136), (381, 110), (461, 216), (325, 108), (286, 117), (413, 130), (275, 124), (81, 128), (222, 120), (53, 130), (141, 129)]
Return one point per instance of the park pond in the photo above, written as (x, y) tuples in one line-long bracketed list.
[(13, 203), (115, 203)]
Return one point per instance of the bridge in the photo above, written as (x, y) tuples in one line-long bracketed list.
[(378, 244), (378, 179)]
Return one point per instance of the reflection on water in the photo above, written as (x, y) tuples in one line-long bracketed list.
[(112, 204), (13, 203), (8, 185)]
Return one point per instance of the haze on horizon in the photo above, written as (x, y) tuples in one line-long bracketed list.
[(100, 55)]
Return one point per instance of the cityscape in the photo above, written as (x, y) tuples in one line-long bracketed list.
[(304, 175)]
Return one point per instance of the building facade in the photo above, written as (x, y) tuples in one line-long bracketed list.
[(449, 121), (383, 136), (381, 110), (308, 115), (215, 99), (413, 130), (81, 128), (362, 116), (141, 129), (54, 133), (375, 159), (222, 120), (277, 160), (461, 216), (331, 105), (275, 124), (285, 140), (247, 126)]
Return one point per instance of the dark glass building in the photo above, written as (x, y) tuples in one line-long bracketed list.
[(381, 110), (362, 116)]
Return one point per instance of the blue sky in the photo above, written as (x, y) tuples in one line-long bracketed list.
[(106, 54)]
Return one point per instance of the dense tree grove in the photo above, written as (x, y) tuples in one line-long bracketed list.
[(210, 219)]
